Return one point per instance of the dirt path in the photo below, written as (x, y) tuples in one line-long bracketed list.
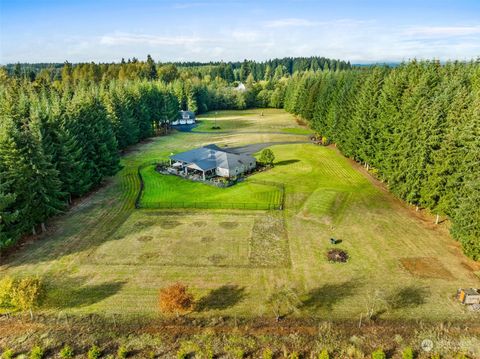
[(191, 128)]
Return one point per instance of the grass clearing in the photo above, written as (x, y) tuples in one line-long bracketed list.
[(224, 124), (106, 257), (253, 120)]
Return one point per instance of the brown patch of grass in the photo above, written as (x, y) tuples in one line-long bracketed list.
[(472, 266), (147, 256), (217, 259), (143, 224), (426, 267), (199, 223), (269, 242), (144, 238), (168, 224), (17, 327), (300, 121), (228, 225)]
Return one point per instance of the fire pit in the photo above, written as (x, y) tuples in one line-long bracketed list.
[(337, 255)]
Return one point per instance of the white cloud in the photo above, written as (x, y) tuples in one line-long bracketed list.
[(290, 22), (443, 31), (354, 40), (129, 39), (245, 35)]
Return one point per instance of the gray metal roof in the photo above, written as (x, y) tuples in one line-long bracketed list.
[(471, 291), (211, 156)]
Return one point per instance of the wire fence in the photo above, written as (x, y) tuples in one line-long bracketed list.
[(276, 205), (212, 205)]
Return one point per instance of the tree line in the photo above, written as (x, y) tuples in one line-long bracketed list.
[(134, 69), (415, 126)]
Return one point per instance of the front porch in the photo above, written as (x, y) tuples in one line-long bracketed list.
[(191, 171)]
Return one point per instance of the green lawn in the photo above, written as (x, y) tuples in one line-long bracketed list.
[(104, 256), (168, 191), (224, 124)]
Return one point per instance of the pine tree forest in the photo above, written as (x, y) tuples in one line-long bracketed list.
[(415, 126)]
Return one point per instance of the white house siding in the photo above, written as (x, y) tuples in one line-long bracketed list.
[(223, 172)]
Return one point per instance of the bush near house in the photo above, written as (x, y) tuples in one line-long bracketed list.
[(267, 157)]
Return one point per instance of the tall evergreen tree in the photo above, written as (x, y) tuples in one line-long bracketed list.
[(151, 68)]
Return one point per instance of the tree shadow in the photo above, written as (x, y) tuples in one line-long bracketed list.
[(223, 297), (328, 295), (285, 163), (407, 297), (74, 293), (75, 223)]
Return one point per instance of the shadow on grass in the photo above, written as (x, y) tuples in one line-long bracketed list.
[(407, 297), (74, 293), (223, 297), (286, 162), (326, 296)]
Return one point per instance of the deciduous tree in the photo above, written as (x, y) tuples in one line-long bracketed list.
[(175, 299)]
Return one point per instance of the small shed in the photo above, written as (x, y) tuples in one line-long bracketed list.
[(468, 296)]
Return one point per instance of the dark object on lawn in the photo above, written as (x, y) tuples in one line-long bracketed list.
[(216, 127), (337, 255), (333, 241)]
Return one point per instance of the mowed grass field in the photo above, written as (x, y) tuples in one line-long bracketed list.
[(259, 120), (167, 191), (105, 257)]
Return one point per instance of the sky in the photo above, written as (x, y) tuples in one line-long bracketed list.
[(361, 31)]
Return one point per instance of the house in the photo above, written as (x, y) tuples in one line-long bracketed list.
[(468, 296), (241, 87), (210, 161), (184, 118)]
